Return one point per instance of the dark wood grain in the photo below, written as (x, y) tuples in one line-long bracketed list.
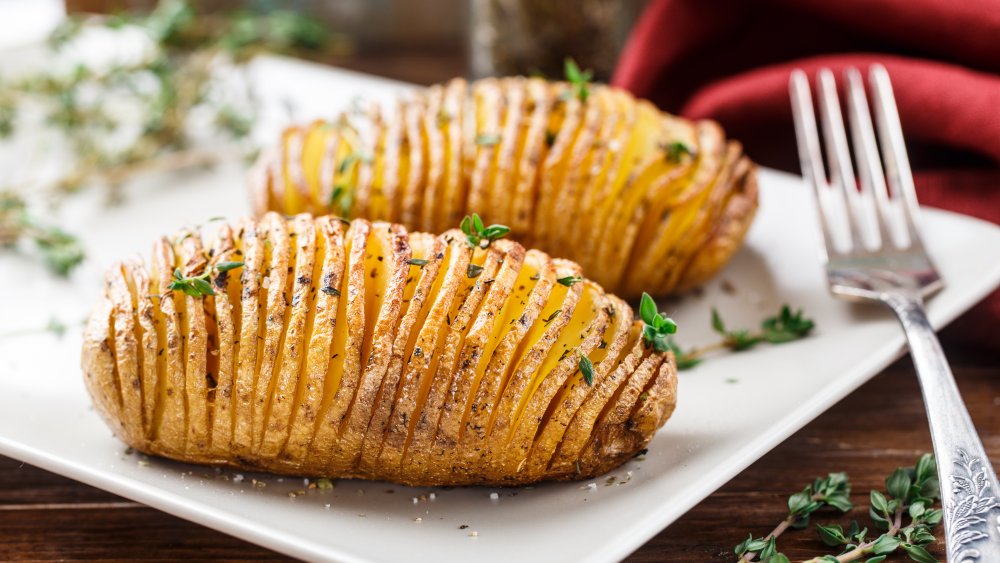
[(879, 427)]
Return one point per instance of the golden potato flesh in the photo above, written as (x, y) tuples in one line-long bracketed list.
[(321, 348), (642, 200)]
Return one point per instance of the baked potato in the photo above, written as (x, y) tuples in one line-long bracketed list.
[(316, 347), (641, 199)]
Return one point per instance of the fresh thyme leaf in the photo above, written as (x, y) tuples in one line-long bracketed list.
[(343, 198), (487, 139), (474, 270), (656, 329), (552, 317), (786, 326), (578, 80), (479, 235), (226, 266), (329, 290), (587, 369), (676, 150), (351, 159), (568, 281), (199, 286), (417, 262)]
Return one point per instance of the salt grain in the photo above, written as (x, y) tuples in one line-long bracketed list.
[(238, 478), (494, 496)]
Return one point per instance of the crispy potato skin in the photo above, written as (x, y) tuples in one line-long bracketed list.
[(362, 350), (609, 182)]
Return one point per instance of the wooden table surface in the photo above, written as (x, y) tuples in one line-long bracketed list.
[(876, 429)]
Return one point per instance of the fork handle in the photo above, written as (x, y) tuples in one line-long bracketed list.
[(968, 483)]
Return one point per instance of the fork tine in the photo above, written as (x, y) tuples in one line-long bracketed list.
[(897, 164), (873, 188), (810, 156), (838, 154)]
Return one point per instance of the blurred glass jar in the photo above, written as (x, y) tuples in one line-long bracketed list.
[(535, 36)]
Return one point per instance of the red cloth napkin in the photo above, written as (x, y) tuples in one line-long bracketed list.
[(730, 60)]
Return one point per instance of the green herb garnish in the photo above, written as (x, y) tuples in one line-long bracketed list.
[(198, 286), (474, 270), (783, 327), (910, 496), (479, 235), (353, 158), (342, 198), (676, 150), (417, 262), (579, 81), (656, 328), (487, 139), (552, 317), (587, 369), (568, 281)]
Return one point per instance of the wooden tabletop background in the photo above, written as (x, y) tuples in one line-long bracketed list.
[(879, 427)]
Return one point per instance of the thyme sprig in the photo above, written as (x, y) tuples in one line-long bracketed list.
[(909, 498), (199, 286), (786, 326), (479, 235), (163, 94)]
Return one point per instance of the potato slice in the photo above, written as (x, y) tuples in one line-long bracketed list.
[(416, 172), (522, 310), (605, 357), (436, 153), (564, 199), (296, 305), (567, 120), (578, 340), (423, 347), (500, 184), (535, 146), (418, 288), (386, 261), (729, 232), (327, 287), (348, 343), (471, 340), (451, 119), (99, 376), (487, 132), (227, 317), (126, 353)]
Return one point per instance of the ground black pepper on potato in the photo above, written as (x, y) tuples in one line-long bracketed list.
[(641, 199), (327, 349)]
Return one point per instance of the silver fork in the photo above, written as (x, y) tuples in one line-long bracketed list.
[(877, 254)]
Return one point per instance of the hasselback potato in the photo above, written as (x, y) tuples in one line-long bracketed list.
[(313, 347), (641, 199)]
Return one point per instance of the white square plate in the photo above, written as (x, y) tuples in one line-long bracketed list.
[(732, 409)]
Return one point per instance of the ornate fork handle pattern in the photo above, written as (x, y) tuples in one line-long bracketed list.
[(968, 482)]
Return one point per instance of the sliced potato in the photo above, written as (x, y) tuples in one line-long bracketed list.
[(608, 181), (367, 351)]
